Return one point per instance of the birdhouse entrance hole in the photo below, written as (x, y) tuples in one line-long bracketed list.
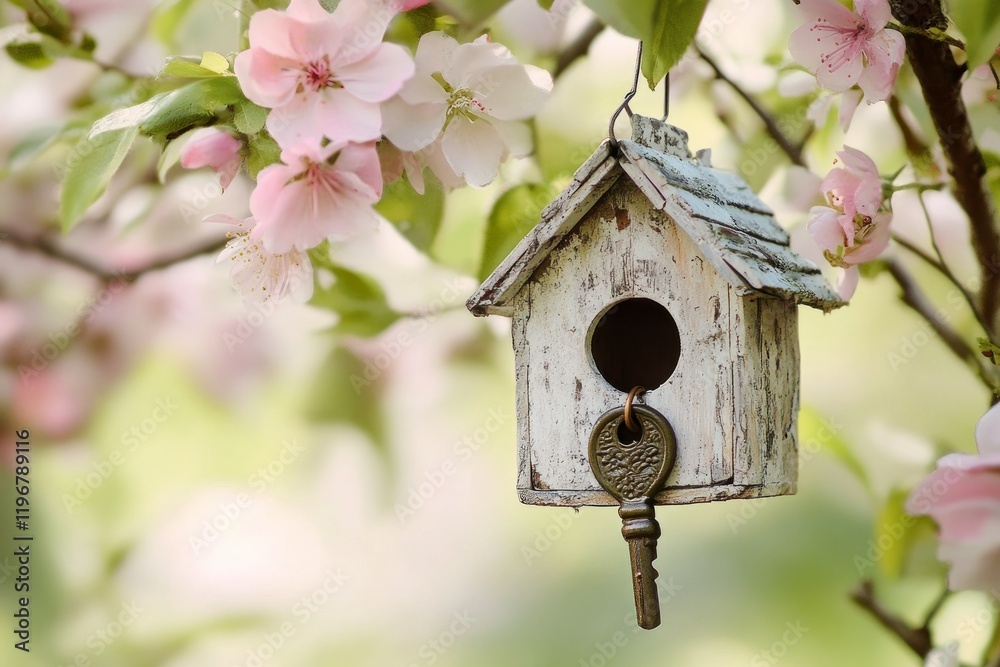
[(635, 343)]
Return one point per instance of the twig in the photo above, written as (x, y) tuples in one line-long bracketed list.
[(918, 639), (578, 47), (940, 79), (793, 151), (916, 147), (42, 245), (941, 268), (935, 608), (913, 297)]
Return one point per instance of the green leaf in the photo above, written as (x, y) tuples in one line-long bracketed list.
[(817, 433), (417, 217), (546, 4), (675, 23), (347, 389), (633, 18), (262, 151), (169, 156), (192, 105), (168, 18), (472, 12), (979, 21), (28, 54), (513, 216), (249, 118), (897, 533), (358, 300), (89, 169), (34, 144), (49, 17), (214, 62), (35, 49), (186, 67)]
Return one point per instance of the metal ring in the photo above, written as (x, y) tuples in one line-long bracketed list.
[(630, 423)]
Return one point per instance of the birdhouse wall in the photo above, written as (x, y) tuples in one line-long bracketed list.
[(731, 399)]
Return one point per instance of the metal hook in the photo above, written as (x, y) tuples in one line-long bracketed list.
[(628, 98), (624, 106), (666, 96)]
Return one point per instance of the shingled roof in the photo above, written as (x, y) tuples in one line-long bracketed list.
[(735, 231)]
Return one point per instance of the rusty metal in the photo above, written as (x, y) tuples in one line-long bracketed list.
[(633, 470)]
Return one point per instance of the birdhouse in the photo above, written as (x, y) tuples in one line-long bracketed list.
[(653, 269)]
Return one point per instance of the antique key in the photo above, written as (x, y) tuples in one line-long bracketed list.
[(632, 465)]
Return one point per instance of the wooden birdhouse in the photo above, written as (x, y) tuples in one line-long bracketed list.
[(653, 269)]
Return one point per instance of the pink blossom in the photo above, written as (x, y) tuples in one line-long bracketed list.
[(963, 496), (844, 48), (318, 193), (258, 274), (215, 148), (851, 231), (470, 97), (323, 74)]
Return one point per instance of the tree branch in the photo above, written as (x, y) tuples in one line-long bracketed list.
[(42, 245), (918, 639), (793, 151), (940, 79), (913, 297), (916, 148), (578, 47)]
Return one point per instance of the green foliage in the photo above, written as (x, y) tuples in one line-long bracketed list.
[(168, 18), (417, 217), (186, 67), (898, 534), (675, 23), (248, 117), (48, 17), (813, 428), (89, 169), (262, 151), (513, 216), (979, 22), (473, 12), (37, 50), (192, 105), (666, 27), (358, 300), (347, 390)]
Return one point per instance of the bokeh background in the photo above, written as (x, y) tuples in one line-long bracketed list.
[(216, 484)]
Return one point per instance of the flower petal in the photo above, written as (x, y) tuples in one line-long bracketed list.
[(876, 13), (266, 79), (988, 431), (344, 117), (849, 102), (848, 283), (473, 150), (824, 226), (380, 75), (509, 93), (412, 126)]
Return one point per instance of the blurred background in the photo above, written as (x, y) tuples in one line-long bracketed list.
[(216, 484)]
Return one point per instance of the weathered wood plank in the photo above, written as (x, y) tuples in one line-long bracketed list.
[(596, 266), (674, 496), (692, 177), (495, 295)]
